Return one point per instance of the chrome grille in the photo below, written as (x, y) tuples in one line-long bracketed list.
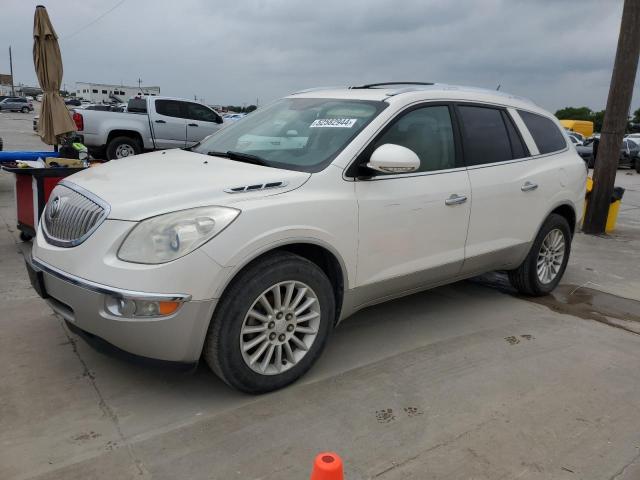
[(72, 215)]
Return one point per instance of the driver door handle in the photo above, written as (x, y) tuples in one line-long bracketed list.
[(455, 199), (528, 186), (160, 121), (193, 124)]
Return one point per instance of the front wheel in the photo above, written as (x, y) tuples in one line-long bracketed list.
[(637, 165), (271, 324), (24, 110), (547, 260)]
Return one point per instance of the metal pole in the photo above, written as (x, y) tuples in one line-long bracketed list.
[(615, 118), (13, 90)]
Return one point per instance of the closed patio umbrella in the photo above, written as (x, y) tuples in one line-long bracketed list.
[(54, 117)]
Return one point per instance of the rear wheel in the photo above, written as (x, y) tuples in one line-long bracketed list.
[(547, 260), (637, 165), (25, 110), (271, 324), (123, 147)]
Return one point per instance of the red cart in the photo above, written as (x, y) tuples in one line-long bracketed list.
[(32, 189)]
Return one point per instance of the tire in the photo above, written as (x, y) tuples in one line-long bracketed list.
[(25, 237), (223, 351), (637, 165), (118, 146), (24, 110), (526, 278)]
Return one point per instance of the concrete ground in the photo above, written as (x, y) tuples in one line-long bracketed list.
[(465, 381)]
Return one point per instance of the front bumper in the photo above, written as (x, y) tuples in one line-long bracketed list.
[(177, 337)]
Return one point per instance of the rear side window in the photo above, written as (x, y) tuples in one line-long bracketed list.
[(544, 131), (170, 108), (485, 137)]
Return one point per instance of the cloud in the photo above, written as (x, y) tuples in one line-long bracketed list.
[(557, 53)]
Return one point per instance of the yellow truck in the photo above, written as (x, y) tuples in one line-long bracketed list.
[(584, 127)]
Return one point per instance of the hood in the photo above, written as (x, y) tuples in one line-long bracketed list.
[(154, 183)]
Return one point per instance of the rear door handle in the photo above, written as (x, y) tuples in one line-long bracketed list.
[(455, 199), (160, 121), (193, 124), (528, 186)]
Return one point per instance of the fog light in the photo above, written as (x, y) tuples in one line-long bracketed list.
[(134, 308)]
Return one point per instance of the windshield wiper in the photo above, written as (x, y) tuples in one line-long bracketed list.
[(240, 156)]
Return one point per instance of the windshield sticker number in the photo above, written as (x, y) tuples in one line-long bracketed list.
[(333, 123)]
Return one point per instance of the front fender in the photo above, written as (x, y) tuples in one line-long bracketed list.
[(273, 241)]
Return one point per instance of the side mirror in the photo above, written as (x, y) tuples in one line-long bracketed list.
[(392, 158), (219, 119)]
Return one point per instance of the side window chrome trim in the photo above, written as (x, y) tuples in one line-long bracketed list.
[(518, 160), (408, 175)]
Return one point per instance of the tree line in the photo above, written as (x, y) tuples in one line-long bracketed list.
[(239, 109), (585, 113)]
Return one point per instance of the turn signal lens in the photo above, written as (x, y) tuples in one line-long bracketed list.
[(167, 308)]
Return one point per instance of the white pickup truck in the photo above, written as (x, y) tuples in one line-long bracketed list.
[(150, 123)]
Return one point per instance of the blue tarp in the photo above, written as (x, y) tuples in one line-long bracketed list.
[(13, 156)]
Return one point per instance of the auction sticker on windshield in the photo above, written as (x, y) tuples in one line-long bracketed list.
[(333, 123)]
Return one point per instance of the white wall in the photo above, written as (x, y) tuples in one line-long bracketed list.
[(97, 93)]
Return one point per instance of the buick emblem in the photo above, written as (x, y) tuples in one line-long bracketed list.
[(54, 207)]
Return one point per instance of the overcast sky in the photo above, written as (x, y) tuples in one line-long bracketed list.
[(556, 52)]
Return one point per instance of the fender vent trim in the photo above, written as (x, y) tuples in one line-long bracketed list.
[(256, 187)]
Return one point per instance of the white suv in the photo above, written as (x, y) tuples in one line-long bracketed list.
[(250, 247)]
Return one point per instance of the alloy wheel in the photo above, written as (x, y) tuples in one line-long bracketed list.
[(280, 327), (550, 256)]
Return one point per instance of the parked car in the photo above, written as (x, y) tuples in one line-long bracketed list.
[(16, 104), (73, 102), (150, 123), (576, 137), (250, 247), (629, 154), (233, 117)]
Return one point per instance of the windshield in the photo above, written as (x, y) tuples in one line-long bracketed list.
[(303, 134)]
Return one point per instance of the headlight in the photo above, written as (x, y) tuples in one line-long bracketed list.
[(172, 235)]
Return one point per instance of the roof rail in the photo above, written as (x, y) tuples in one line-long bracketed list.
[(384, 84)]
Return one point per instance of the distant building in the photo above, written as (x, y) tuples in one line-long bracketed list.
[(5, 84), (105, 93)]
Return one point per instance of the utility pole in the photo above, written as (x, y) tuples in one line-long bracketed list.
[(13, 90), (615, 118)]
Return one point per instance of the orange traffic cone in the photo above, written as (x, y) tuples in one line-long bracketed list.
[(327, 466)]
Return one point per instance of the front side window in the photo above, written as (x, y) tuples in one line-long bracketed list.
[(544, 131), (303, 134), (428, 132), (485, 137), (200, 112)]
